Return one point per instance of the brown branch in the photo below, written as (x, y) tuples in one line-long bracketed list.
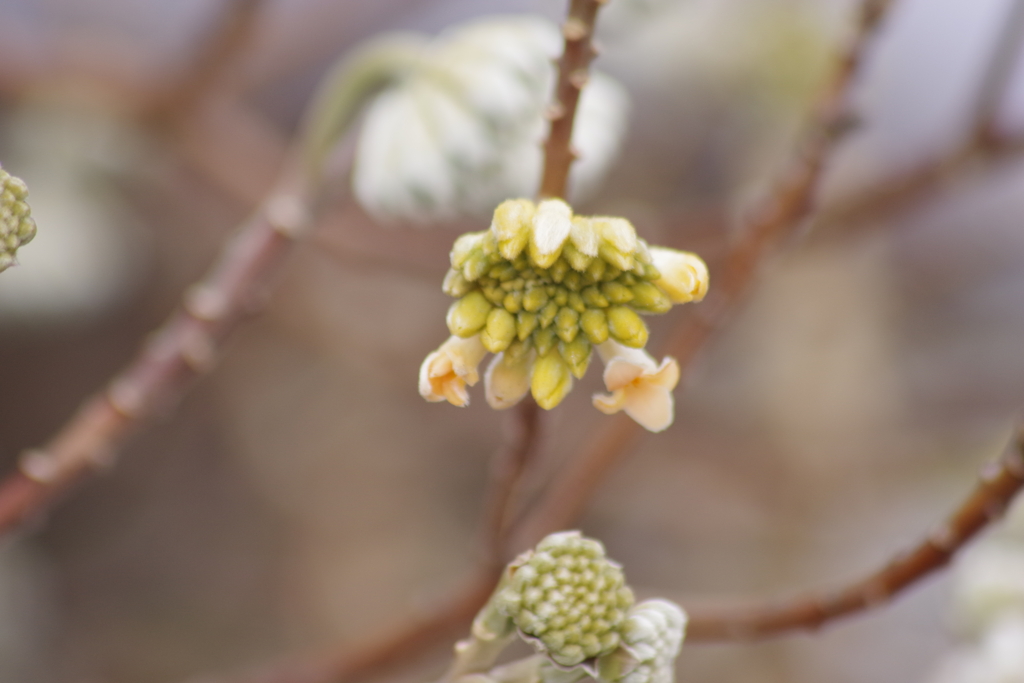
[(778, 217), (572, 77), (998, 485), (185, 348)]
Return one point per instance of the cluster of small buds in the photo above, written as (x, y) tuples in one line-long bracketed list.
[(651, 637), (16, 225), (569, 597), (542, 287)]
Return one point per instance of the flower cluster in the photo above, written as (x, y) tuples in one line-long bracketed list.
[(459, 131), (568, 596), (540, 289), (651, 637), (16, 224)]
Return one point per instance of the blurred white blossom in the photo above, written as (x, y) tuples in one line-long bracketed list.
[(462, 132), (998, 658)]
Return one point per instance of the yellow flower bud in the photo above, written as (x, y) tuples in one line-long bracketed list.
[(455, 284), (544, 340), (500, 330), (552, 380), (548, 313), (526, 323), (616, 292), (567, 324), (535, 299), (626, 326), (647, 297), (468, 315), (594, 324), (577, 354)]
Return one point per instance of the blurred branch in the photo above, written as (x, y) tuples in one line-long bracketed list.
[(231, 33), (777, 217), (184, 348), (998, 485), (986, 144)]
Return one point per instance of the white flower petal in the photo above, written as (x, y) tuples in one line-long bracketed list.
[(551, 225)]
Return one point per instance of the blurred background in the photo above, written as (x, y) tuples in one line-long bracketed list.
[(305, 496)]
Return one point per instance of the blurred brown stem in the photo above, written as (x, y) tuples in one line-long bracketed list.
[(184, 348), (998, 485)]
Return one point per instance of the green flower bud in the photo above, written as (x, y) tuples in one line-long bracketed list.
[(567, 324), (544, 339), (594, 323), (455, 284), (626, 326), (16, 225), (526, 323), (535, 299), (647, 297), (513, 302), (548, 313), (617, 293), (575, 302), (577, 354), (568, 596), (499, 331), (552, 379), (468, 315), (593, 297)]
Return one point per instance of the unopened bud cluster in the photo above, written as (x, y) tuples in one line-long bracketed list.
[(16, 224), (651, 637), (542, 287), (568, 596)]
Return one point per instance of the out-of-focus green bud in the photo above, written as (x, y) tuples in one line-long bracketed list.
[(649, 298), (616, 292), (526, 323), (16, 225)]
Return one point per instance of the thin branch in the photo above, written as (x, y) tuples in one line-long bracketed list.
[(507, 468), (184, 348), (778, 217), (572, 77), (996, 488)]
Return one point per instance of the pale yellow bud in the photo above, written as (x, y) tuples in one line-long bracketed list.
[(551, 225), (526, 323), (684, 276), (626, 326), (468, 315), (552, 379), (508, 379), (649, 298), (446, 372), (567, 324), (511, 226)]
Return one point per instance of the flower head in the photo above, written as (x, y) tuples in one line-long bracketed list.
[(460, 131), (16, 225), (638, 385), (651, 637), (569, 597), (542, 286)]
